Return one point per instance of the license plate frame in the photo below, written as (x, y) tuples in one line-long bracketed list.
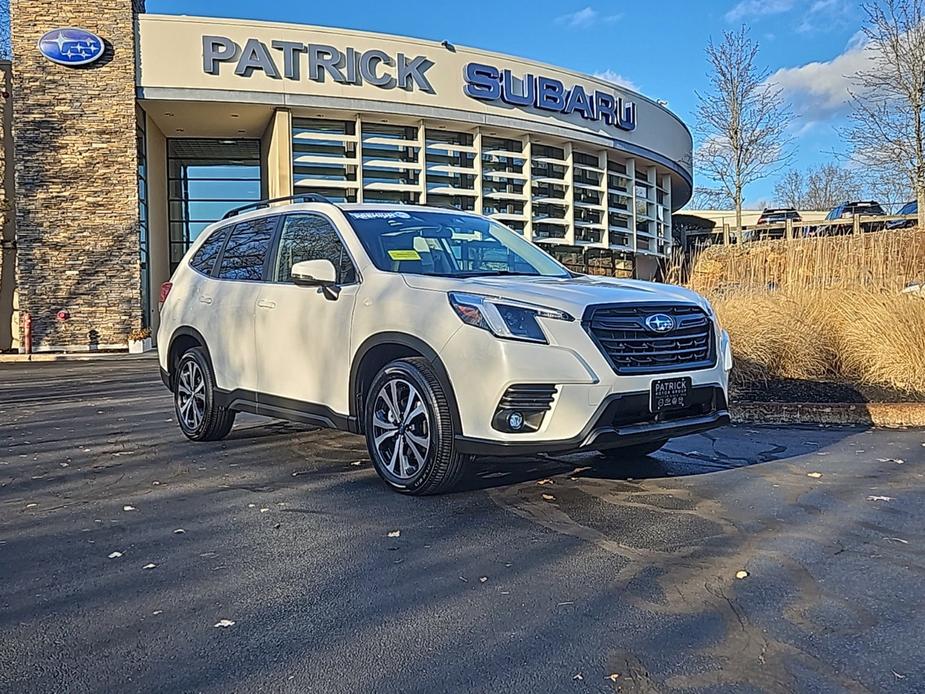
[(667, 394)]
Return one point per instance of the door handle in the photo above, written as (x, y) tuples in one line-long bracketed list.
[(266, 303), (205, 299)]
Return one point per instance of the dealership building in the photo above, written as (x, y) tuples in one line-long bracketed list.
[(131, 132)]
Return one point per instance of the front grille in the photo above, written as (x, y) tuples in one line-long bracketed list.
[(631, 348), (528, 397)]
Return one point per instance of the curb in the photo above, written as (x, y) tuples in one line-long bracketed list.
[(45, 357), (881, 414)]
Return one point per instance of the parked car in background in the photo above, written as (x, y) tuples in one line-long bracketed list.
[(908, 208), (774, 218), (841, 219)]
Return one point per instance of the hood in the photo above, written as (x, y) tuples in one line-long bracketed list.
[(572, 294)]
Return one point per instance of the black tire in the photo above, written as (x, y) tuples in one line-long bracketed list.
[(442, 466), (628, 453), (215, 422)]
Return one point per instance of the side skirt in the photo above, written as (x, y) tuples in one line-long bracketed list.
[(284, 408)]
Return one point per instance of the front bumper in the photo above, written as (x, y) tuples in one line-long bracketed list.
[(622, 419)]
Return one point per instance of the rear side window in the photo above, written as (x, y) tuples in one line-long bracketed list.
[(246, 250), (311, 237), (204, 260)]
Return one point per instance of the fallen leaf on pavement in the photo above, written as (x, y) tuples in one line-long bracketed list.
[(549, 497), (482, 579), (394, 533), (545, 482), (115, 555), (224, 623), (742, 574), (614, 676), (814, 475), (874, 497)]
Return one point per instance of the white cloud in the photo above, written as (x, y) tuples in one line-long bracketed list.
[(585, 17), (819, 91), (616, 78), (748, 9)]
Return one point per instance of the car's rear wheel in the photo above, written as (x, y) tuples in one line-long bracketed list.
[(409, 429), (630, 453), (200, 418)]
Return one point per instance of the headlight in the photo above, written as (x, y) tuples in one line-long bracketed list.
[(506, 318)]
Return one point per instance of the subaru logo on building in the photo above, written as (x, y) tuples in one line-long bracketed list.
[(71, 46), (659, 322)]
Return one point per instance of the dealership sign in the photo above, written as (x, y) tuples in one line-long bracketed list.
[(350, 66), (488, 83), (71, 46)]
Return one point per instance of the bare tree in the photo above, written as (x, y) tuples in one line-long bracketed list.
[(790, 190), (741, 120), (709, 199), (821, 188), (886, 132)]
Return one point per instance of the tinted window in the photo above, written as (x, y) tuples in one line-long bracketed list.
[(246, 249), (208, 252), (311, 237)]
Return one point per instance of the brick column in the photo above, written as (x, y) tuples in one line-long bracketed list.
[(76, 177)]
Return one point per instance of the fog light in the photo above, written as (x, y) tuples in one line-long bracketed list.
[(515, 420)]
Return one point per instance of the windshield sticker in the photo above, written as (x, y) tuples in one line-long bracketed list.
[(400, 254), (380, 215)]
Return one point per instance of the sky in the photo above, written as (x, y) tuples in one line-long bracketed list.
[(657, 48)]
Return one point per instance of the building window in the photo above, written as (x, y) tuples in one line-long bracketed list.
[(206, 178), (143, 236), (324, 158)]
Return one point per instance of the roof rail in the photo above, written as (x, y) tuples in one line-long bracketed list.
[(301, 197)]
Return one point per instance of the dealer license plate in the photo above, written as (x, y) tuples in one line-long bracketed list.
[(670, 394)]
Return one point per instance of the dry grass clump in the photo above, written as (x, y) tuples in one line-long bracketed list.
[(774, 335), (860, 336), (886, 260), (882, 340)]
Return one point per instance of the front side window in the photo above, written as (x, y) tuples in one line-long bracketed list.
[(447, 244), (204, 259), (246, 250), (311, 237)]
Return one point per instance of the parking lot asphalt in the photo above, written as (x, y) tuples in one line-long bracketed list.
[(124, 547)]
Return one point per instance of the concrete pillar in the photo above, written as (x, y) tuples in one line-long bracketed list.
[(74, 132), (276, 152)]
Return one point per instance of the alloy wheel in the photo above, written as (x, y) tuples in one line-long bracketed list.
[(401, 428), (191, 395)]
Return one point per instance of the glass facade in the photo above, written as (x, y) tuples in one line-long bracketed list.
[(563, 194), (144, 235), (205, 179)]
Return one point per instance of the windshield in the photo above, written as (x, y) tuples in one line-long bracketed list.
[(447, 244)]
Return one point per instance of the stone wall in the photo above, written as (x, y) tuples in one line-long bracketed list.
[(76, 177)]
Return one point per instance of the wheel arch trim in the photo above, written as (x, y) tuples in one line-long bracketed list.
[(411, 342)]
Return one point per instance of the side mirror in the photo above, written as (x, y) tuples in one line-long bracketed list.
[(314, 273)]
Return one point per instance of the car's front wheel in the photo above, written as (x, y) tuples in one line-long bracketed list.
[(409, 429), (200, 418)]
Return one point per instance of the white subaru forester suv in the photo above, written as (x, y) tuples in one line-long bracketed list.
[(439, 335)]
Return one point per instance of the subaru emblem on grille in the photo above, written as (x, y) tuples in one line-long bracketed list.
[(659, 323)]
